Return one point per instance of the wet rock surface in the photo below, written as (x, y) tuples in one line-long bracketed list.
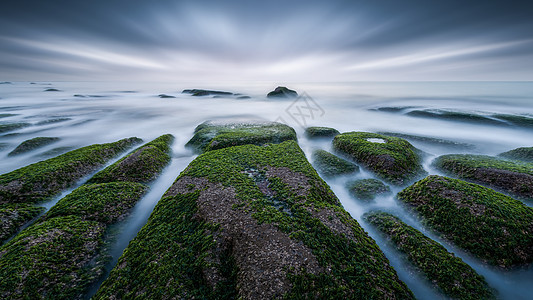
[(448, 273), (212, 135), (393, 159), (510, 177), (252, 222), (491, 226), (282, 92)]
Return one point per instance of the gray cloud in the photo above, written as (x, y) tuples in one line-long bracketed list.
[(296, 40)]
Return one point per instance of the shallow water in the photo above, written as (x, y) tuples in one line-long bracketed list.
[(112, 111)]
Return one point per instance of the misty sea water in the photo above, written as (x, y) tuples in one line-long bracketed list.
[(84, 113)]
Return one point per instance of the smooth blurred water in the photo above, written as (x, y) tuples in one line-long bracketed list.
[(115, 110)]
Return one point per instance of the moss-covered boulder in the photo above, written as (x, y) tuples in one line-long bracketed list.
[(200, 92), (430, 140), (492, 226), (252, 222), (514, 178), (393, 159), (456, 116), (6, 127), (331, 165), (443, 269), (517, 120), (45, 179), (14, 216), (212, 135), (282, 92), (142, 165), (33, 144), (367, 189), (321, 132), (524, 154), (64, 252)]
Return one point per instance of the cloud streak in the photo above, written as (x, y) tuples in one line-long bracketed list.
[(294, 40)]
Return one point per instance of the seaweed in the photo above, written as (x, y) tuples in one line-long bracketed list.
[(393, 159), (330, 165), (492, 226)]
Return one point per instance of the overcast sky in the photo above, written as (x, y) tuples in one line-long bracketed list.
[(266, 40)]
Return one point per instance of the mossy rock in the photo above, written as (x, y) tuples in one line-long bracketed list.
[(13, 126), (367, 189), (331, 165), (106, 203), (200, 92), (252, 222), (43, 180), (33, 144), (446, 272), (212, 135), (321, 132), (142, 165), (51, 260), (456, 116), (393, 159), (524, 154), (492, 226), (430, 140), (511, 177), (53, 121), (517, 120), (6, 115), (282, 92), (14, 216)]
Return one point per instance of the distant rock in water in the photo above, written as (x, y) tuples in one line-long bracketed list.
[(165, 96), (243, 97), (523, 154), (199, 92), (212, 135), (282, 92), (321, 132), (5, 82), (52, 90), (32, 144)]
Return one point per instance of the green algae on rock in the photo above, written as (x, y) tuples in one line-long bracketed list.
[(514, 178), (142, 165), (45, 179), (65, 251), (331, 165), (393, 159), (524, 154), (6, 127), (252, 222), (450, 274), (14, 216), (212, 135), (430, 140), (321, 132), (33, 144), (367, 189), (492, 226)]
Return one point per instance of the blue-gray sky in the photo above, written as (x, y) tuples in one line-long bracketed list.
[(266, 40)]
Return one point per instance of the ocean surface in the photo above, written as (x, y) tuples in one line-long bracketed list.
[(439, 117)]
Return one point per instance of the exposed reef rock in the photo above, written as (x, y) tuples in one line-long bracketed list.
[(391, 158), (282, 92), (331, 165), (33, 144), (514, 178), (165, 96), (367, 189), (448, 273), (45, 179), (524, 154), (321, 132), (213, 135), (64, 252), (200, 92), (252, 222), (492, 226)]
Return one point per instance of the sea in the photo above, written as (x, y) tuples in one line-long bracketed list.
[(436, 117)]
